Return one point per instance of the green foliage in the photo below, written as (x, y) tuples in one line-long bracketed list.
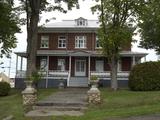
[(149, 23), (94, 77), (8, 28), (145, 76), (117, 25), (4, 88)]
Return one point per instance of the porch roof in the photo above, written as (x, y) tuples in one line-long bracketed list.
[(79, 53)]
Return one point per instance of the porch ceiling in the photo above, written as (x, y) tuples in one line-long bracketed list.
[(79, 53)]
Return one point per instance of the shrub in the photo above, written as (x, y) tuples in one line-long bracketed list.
[(145, 77), (4, 88)]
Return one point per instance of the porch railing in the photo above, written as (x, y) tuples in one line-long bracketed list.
[(50, 73), (106, 74)]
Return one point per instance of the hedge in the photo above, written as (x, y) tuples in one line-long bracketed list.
[(4, 88), (145, 77)]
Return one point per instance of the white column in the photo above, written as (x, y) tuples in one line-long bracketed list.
[(70, 63), (21, 63), (89, 68), (47, 71), (133, 61), (16, 64)]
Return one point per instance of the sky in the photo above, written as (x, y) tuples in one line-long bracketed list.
[(84, 12)]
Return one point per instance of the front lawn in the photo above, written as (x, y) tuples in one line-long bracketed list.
[(12, 104), (122, 103)]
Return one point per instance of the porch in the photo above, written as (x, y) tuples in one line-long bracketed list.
[(76, 68)]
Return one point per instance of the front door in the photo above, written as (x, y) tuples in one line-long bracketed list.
[(80, 68)]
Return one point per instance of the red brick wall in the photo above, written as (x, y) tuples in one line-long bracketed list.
[(53, 41), (126, 63)]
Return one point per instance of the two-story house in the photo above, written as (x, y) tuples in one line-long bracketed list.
[(69, 52)]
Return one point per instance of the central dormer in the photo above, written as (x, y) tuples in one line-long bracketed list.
[(81, 22)]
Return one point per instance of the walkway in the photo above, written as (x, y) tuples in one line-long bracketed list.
[(71, 101)]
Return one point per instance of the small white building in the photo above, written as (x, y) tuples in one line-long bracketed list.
[(4, 78)]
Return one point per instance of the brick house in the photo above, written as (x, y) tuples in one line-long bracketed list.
[(69, 52)]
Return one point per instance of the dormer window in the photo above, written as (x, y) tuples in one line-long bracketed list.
[(81, 22)]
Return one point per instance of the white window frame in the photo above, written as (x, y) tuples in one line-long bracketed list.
[(61, 64), (44, 41), (81, 22), (80, 41), (97, 43), (62, 42)]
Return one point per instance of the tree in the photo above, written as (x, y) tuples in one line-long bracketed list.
[(33, 10), (117, 19), (149, 24), (8, 27)]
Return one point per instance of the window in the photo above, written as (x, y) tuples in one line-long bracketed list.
[(81, 22), (97, 43), (61, 42), (44, 41), (80, 42), (43, 64), (61, 64), (99, 65)]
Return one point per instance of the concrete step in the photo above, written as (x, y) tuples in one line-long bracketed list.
[(52, 103), (46, 113), (60, 108)]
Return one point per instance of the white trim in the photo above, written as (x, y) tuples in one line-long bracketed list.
[(133, 60), (60, 39), (47, 71), (44, 38), (78, 40)]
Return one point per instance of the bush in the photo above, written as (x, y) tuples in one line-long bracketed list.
[(145, 77), (4, 88)]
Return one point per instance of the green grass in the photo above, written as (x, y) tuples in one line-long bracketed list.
[(122, 103), (12, 104)]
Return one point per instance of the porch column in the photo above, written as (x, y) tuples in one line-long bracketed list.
[(21, 63), (89, 68), (133, 61), (47, 71), (70, 63), (16, 64)]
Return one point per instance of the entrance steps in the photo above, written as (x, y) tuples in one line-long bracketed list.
[(70, 101), (78, 82)]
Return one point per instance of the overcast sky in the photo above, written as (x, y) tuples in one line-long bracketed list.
[(84, 12)]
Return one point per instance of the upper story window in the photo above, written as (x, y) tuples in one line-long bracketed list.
[(81, 22), (80, 42), (44, 41), (97, 43), (62, 42)]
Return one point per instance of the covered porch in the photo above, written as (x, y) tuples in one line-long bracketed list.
[(76, 67)]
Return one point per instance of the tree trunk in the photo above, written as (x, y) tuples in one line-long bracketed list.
[(113, 66), (32, 31)]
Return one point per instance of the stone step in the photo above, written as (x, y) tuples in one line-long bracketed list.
[(45, 113), (51, 103), (60, 108)]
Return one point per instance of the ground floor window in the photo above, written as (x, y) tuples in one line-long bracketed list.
[(61, 64), (99, 65), (43, 64)]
